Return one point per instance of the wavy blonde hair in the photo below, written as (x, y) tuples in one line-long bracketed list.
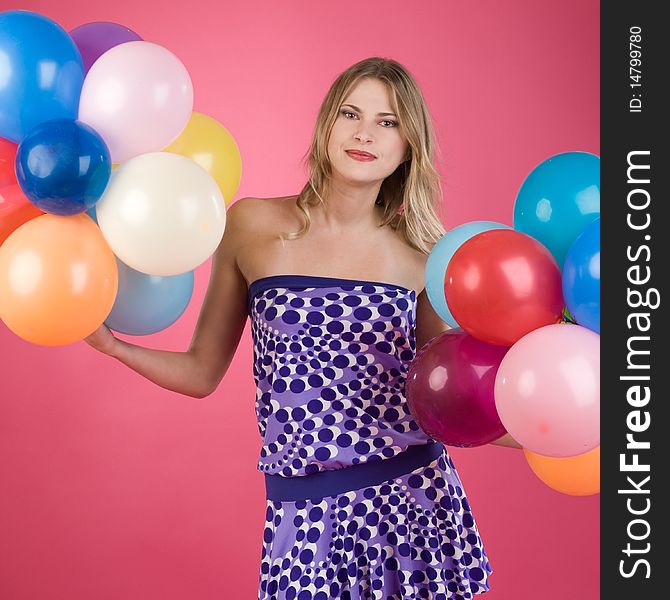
[(412, 195)]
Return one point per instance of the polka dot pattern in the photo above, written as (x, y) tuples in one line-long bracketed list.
[(407, 538), (334, 361), (331, 359)]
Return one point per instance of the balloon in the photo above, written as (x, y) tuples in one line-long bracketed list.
[(63, 166), (501, 284), (162, 214), (15, 208), (146, 304), (438, 260), (138, 96), (94, 39), (7, 157), (208, 143), (581, 277), (575, 475), (558, 199), (91, 213), (547, 390), (41, 73), (450, 389), (58, 280)]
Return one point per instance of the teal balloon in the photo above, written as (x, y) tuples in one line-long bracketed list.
[(438, 260), (41, 73), (146, 304), (581, 278), (558, 199)]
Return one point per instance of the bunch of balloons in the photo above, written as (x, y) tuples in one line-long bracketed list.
[(523, 354), (112, 189)]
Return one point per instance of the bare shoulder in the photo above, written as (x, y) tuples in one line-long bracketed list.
[(411, 261), (256, 216)]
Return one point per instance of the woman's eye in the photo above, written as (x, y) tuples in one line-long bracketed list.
[(392, 123)]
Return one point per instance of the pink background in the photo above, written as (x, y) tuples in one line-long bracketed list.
[(114, 488)]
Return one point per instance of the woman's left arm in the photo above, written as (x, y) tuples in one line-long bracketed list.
[(430, 325)]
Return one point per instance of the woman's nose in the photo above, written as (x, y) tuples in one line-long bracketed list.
[(362, 135)]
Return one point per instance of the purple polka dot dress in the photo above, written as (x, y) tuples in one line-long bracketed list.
[(361, 503)]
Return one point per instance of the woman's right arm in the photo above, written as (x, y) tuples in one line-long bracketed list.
[(198, 371)]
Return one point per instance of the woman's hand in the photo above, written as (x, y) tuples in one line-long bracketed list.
[(102, 339)]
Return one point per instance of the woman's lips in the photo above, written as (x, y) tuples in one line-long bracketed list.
[(360, 156)]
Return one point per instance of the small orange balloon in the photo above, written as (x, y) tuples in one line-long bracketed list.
[(575, 475), (58, 279)]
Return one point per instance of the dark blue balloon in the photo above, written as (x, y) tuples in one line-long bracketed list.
[(41, 73), (581, 278), (63, 166)]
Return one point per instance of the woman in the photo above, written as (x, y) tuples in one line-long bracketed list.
[(360, 502)]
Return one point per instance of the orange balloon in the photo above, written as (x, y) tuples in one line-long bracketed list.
[(58, 279), (575, 475)]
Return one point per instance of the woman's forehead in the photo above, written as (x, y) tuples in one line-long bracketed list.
[(370, 92)]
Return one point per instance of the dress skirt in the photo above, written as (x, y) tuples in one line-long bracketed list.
[(391, 529)]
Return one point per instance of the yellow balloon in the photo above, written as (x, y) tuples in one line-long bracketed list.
[(208, 143)]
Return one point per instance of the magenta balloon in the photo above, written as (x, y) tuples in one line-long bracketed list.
[(94, 39), (450, 389), (547, 390)]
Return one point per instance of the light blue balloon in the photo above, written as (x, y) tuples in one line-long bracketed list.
[(41, 73), (558, 199), (438, 261), (581, 278), (146, 304), (91, 213)]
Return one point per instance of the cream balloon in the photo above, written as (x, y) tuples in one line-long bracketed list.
[(162, 214)]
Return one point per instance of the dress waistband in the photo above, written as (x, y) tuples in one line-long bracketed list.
[(331, 483)]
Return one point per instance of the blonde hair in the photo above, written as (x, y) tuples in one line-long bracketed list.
[(412, 195)]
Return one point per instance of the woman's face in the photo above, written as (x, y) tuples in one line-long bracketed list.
[(366, 123)]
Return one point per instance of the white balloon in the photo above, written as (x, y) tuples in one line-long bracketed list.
[(138, 96), (162, 214)]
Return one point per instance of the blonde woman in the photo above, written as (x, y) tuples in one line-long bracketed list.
[(360, 502)]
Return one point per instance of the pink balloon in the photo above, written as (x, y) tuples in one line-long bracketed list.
[(547, 390), (449, 389), (138, 96)]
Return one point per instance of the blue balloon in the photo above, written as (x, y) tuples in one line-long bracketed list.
[(146, 304), (63, 166), (558, 199), (438, 260), (91, 212), (581, 278), (41, 73)]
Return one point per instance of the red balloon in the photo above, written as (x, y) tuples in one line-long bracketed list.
[(7, 157), (15, 208), (502, 284), (450, 389)]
